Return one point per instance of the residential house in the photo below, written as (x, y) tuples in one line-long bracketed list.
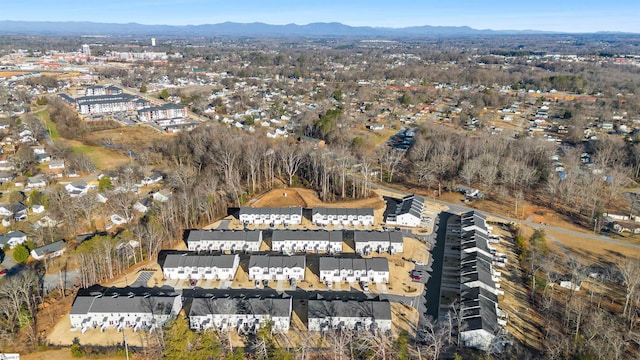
[(137, 308), (152, 179), (12, 239), (48, 251), (291, 241), (367, 242), (337, 270), (43, 158), (408, 212), (266, 267), (37, 181), (342, 216), (275, 216), (77, 188), (325, 315), (37, 208), (143, 205), (224, 240), (243, 310), (56, 165), (6, 177), (14, 210), (199, 266), (6, 164), (162, 196)]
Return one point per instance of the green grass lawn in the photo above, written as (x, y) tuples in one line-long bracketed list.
[(51, 127), (101, 157)]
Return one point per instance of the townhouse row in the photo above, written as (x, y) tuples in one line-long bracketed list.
[(320, 216), (246, 311), (294, 241), (479, 282), (195, 266)]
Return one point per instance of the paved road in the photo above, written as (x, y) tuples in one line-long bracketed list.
[(457, 208)]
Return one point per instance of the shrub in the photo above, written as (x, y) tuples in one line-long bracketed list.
[(20, 254)]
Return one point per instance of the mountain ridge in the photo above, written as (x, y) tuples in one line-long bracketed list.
[(243, 29)]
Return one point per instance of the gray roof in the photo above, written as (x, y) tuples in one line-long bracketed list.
[(169, 106), (306, 235), (292, 210), (280, 307), (158, 301), (199, 260), (343, 211), (224, 235), (50, 248), (267, 261), (105, 99), (4, 238), (392, 236), (333, 263), (411, 204), (378, 310)]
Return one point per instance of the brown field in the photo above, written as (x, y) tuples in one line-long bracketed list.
[(308, 199), (63, 354), (11, 73), (127, 135), (594, 251)]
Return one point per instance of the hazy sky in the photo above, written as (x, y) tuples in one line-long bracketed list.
[(557, 15)]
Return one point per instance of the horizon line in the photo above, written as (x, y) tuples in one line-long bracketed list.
[(548, 32)]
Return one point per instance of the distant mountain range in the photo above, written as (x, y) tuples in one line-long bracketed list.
[(239, 29)]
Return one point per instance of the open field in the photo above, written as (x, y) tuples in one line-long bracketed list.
[(50, 125), (131, 136), (63, 354), (102, 158), (309, 199)]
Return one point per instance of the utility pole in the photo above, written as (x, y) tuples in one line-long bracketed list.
[(126, 347)]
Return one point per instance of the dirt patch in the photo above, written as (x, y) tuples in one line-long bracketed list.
[(309, 199), (279, 198)]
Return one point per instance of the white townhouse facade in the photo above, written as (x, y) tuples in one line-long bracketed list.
[(337, 270), (200, 266), (246, 313), (342, 216), (224, 240), (137, 308), (308, 241), (408, 212), (276, 216), (338, 314), (368, 242), (266, 267)]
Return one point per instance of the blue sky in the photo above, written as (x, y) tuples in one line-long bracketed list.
[(558, 15)]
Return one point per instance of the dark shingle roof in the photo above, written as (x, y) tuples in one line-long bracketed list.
[(379, 310)]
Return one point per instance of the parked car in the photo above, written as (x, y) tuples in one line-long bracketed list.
[(3, 272), (416, 277), (365, 287)]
